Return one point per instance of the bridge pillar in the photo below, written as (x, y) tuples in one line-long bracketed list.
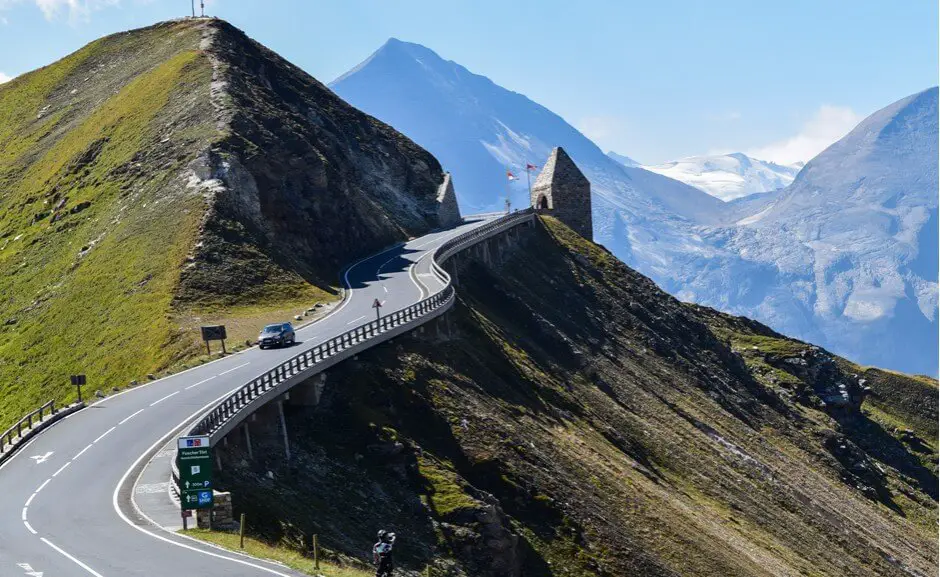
[(307, 394), (248, 440), (280, 412)]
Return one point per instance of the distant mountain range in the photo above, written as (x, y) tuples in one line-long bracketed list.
[(840, 257), (728, 176)]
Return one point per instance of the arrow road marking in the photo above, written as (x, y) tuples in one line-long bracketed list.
[(41, 458), (29, 570)]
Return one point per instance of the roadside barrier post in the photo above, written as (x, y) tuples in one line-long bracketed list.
[(316, 552), (241, 532)]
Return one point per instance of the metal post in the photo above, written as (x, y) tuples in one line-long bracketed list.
[(183, 515), (208, 350), (241, 532), (224, 352), (316, 552)]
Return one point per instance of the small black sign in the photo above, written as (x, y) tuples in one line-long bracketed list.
[(78, 379), (213, 333)]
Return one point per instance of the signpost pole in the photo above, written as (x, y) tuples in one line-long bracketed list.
[(78, 381)]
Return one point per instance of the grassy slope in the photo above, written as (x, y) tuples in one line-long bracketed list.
[(98, 218), (285, 555), (616, 431), (90, 291)]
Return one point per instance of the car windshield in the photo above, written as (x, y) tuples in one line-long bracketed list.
[(272, 329)]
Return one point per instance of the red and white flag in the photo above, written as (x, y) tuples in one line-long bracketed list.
[(510, 175), (529, 167)]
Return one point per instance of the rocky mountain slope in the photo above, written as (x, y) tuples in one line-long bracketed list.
[(692, 244), (161, 176), (579, 421), (846, 255), (728, 176)]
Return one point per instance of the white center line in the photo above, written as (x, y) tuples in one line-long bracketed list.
[(73, 559), (234, 368), (24, 513), (102, 436), (200, 382), (355, 320), (30, 500), (62, 468), (126, 419), (80, 452), (30, 527), (164, 398), (41, 487)]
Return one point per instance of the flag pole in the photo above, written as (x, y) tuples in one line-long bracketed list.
[(528, 179), (508, 190)]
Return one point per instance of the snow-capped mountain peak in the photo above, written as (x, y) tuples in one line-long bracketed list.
[(728, 176)]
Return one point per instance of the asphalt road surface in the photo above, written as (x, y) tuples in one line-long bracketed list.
[(64, 498)]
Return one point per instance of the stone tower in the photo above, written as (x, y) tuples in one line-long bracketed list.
[(562, 189)]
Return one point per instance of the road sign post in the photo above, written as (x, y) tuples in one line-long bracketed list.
[(78, 381), (194, 459), (377, 305), (214, 333)]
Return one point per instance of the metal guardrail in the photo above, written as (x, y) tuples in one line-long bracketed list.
[(6, 438), (219, 420)]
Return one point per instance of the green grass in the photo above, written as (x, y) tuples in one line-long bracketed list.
[(445, 492), (289, 557)]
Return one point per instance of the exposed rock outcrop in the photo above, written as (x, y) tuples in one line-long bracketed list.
[(448, 213)]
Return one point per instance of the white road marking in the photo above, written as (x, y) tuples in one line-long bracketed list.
[(164, 398), (163, 441), (62, 468), (29, 570), (83, 450), (42, 458), (70, 558), (126, 419), (356, 320), (30, 500), (29, 527), (24, 513), (44, 483), (103, 435), (385, 287), (201, 382), (234, 369), (152, 488)]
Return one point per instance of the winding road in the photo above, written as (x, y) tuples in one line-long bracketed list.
[(65, 498)]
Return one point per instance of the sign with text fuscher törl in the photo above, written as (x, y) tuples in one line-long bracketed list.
[(194, 459)]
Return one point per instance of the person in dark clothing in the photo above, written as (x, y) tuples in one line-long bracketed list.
[(382, 554)]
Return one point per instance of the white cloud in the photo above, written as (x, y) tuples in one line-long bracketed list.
[(828, 124), (5, 78), (77, 10)]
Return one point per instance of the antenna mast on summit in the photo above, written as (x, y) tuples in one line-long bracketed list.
[(202, 8), (193, 4)]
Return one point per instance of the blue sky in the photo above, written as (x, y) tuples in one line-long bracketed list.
[(653, 80)]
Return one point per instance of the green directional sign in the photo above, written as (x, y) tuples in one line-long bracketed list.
[(194, 459)]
